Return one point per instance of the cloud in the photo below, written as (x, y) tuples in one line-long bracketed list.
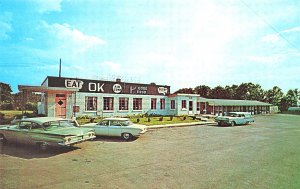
[(5, 25), (44, 6), (72, 38), (112, 67), (155, 23), (272, 38), (270, 60), (276, 38), (295, 29)]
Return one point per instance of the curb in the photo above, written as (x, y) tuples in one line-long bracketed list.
[(180, 125)]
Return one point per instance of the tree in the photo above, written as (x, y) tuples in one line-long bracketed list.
[(185, 91), (218, 93), (6, 100), (249, 91), (292, 97), (203, 90), (274, 96), (231, 91)]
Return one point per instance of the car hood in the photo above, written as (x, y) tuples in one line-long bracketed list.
[(89, 124), (224, 118)]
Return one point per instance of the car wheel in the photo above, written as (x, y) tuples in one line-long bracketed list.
[(126, 136), (2, 138), (43, 146), (232, 124), (247, 123)]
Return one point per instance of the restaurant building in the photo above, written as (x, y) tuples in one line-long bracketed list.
[(73, 97)]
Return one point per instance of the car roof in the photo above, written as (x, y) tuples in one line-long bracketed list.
[(116, 119), (239, 112), (42, 120)]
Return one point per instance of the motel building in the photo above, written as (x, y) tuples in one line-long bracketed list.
[(73, 97)]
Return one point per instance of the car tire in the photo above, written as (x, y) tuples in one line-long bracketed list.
[(43, 146), (2, 138), (126, 136), (247, 123), (232, 124)]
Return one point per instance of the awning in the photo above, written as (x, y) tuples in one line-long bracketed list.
[(229, 102), (46, 89)]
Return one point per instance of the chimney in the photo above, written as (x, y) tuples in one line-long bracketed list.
[(118, 80)]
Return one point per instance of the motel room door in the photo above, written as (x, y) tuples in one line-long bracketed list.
[(60, 105), (190, 107)]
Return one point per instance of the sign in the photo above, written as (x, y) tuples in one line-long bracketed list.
[(109, 87), (162, 90), (96, 87), (60, 102), (117, 88), (76, 109), (138, 90), (74, 84)]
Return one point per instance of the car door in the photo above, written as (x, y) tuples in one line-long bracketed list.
[(22, 133), (101, 128), (115, 128), (36, 133)]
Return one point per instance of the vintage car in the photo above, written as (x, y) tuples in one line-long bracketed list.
[(122, 127), (234, 118), (45, 131)]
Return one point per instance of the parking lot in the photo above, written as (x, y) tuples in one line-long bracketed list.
[(265, 154)]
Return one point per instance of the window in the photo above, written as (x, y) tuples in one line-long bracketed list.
[(172, 104), (108, 103), (137, 104), (153, 103), (198, 106), (183, 104), (90, 103), (162, 104), (123, 103)]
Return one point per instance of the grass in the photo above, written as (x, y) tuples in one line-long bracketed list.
[(164, 121), (144, 120), (10, 114)]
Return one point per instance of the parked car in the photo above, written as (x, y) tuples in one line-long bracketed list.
[(45, 131), (121, 127), (235, 118)]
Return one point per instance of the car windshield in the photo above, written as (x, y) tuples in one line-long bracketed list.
[(56, 124)]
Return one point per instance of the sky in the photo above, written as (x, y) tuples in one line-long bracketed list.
[(180, 43)]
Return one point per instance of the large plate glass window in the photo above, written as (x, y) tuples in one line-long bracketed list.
[(183, 104), (90, 103), (123, 103), (137, 104), (108, 103), (153, 103), (172, 104), (162, 103)]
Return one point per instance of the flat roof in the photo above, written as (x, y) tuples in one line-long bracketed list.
[(45, 89), (229, 102)]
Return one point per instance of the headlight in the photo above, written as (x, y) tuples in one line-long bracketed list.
[(67, 139)]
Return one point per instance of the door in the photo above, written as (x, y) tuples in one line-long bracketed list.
[(101, 128), (115, 128), (60, 105), (190, 107), (22, 133)]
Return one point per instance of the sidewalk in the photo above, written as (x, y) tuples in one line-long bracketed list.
[(180, 125)]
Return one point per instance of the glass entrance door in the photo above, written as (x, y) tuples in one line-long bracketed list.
[(190, 107)]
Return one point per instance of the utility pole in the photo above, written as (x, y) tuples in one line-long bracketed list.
[(59, 74), (0, 93)]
